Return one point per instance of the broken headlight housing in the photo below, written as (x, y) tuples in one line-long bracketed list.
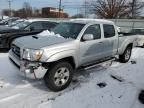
[(32, 54)]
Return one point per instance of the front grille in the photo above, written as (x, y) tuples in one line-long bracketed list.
[(16, 50)]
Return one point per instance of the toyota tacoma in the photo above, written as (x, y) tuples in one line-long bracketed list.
[(75, 43)]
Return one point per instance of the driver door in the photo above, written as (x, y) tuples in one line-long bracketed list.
[(91, 50)]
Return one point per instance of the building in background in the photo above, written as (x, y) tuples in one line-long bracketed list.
[(50, 12)]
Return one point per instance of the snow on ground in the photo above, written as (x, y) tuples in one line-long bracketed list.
[(122, 85)]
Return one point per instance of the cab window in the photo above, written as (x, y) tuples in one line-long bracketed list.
[(109, 30), (35, 26), (48, 25), (95, 30)]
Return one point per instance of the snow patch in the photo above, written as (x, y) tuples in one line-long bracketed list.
[(46, 33), (10, 98)]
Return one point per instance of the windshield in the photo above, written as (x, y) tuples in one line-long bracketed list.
[(22, 25), (68, 30), (15, 23)]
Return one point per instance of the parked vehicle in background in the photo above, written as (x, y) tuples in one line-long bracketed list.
[(139, 32), (76, 43), (8, 21), (29, 25), (16, 22), (36, 24), (34, 27)]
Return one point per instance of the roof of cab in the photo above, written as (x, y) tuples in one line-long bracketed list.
[(85, 21), (34, 20)]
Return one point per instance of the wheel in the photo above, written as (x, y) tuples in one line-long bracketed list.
[(59, 76), (124, 58)]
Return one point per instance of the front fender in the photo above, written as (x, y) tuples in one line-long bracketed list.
[(63, 54)]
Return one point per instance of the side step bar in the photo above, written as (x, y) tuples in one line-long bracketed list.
[(99, 63)]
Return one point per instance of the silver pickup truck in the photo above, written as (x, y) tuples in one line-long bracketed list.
[(75, 43)]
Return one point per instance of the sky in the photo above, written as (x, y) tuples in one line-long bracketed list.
[(68, 5)]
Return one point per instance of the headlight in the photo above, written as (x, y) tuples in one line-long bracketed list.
[(32, 55)]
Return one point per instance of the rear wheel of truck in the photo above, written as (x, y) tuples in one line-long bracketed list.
[(124, 58), (59, 76)]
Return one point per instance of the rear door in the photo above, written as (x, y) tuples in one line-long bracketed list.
[(110, 40)]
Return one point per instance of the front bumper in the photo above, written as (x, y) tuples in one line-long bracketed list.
[(32, 70)]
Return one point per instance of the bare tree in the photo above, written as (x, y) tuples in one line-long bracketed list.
[(111, 8), (136, 7), (36, 12), (116, 8), (27, 10), (5, 12)]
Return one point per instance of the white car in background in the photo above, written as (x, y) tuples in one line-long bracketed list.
[(140, 36)]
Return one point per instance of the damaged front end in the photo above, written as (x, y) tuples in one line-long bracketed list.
[(29, 62), (33, 70)]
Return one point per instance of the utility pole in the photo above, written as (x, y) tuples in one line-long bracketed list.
[(86, 6), (9, 2), (133, 8), (60, 3), (85, 9)]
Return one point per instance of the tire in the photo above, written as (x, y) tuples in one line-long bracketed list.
[(143, 46), (124, 58), (59, 76), (141, 97)]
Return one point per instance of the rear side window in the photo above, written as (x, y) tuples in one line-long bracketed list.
[(48, 25), (35, 26), (109, 30), (95, 30)]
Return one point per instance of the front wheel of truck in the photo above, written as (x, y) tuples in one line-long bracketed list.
[(59, 76), (124, 58)]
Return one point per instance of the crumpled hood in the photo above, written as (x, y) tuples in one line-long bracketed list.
[(37, 42)]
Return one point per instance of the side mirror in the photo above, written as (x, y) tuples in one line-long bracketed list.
[(88, 37)]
